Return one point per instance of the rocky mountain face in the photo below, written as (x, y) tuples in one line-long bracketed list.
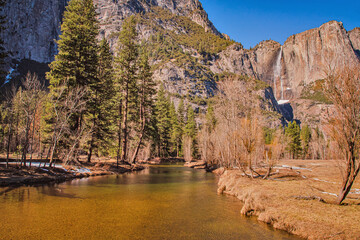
[(31, 28), (308, 55), (33, 25), (303, 59), (189, 55), (355, 39), (113, 12), (294, 67)]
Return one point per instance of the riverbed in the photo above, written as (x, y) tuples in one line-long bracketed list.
[(162, 202)]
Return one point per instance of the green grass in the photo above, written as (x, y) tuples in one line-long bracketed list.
[(314, 92)]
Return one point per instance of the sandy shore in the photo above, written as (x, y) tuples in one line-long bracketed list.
[(298, 199), (17, 176)]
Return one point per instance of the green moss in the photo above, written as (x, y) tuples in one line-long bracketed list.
[(314, 91), (258, 84), (184, 33)]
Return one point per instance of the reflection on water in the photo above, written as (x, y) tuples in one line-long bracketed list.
[(163, 202)]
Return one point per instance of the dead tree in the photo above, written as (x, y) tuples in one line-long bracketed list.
[(342, 89), (64, 104), (30, 98), (273, 152)]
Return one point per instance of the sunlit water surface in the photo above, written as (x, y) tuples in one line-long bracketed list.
[(162, 202)]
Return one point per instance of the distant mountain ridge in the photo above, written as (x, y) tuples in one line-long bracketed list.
[(188, 54), (33, 25)]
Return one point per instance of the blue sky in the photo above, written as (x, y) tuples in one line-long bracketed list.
[(251, 21)]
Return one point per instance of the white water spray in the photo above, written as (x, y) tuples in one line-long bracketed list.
[(277, 75)]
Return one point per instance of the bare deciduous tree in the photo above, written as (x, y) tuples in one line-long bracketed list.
[(187, 143), (64, 104), (237, 139), (342, 88), (30, 98), (273, 152)]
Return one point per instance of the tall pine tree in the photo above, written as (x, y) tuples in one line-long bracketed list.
[(146, 93), (181, 121), (292, 131), (305, 136), (99, 117), (163, 122), (77, 59), (126, 69), (76, 64), (191, 130), (176, 131)]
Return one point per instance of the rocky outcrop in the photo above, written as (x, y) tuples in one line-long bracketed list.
[(33, 25), (304, 58), (355, 39), (31, 28), (235, 59), (308, 55), (112, 13), (178, 81)]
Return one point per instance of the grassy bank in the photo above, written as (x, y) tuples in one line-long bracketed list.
[(298, 199)]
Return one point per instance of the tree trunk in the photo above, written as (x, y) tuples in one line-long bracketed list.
[(268, 172), (32, 142), (52, 151), (351, 174), (26, 144), (119, 136), (133, 159), (124, 126), (90, 152), (8, 145)]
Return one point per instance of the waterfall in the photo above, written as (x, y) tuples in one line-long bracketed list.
[(277, 74)]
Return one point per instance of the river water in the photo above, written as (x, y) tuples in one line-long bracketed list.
[(162, 202)]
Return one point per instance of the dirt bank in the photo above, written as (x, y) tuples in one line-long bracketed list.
[(298, 199), (17, 176)]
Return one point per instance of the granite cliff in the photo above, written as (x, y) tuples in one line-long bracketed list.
[(33, 25), (31, 28), (188, 53)]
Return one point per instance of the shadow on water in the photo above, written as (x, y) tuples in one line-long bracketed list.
[(6, 190), (55, 191)]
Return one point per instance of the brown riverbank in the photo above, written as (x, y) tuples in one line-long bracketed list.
[(298, 199), (17, 176)]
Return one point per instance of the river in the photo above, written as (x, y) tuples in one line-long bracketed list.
[(162, 202)]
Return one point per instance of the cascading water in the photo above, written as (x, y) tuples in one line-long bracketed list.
[(277, 75)]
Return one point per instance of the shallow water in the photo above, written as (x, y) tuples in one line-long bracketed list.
[(163, 202)]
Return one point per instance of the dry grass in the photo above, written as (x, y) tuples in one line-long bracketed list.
[(282, 200)]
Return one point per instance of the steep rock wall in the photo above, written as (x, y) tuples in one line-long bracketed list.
[(31, 28), (308, 55), (33, 25), (355, 39)]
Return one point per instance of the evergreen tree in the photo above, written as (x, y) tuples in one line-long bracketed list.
[(3, 52), (146, 87), (305, 136), (77, 59), (176, 131), (181, 121), (163, 123), (210, 118), (126, 68), (191, 130), (99, 117), (294, 142), (76, 64)]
